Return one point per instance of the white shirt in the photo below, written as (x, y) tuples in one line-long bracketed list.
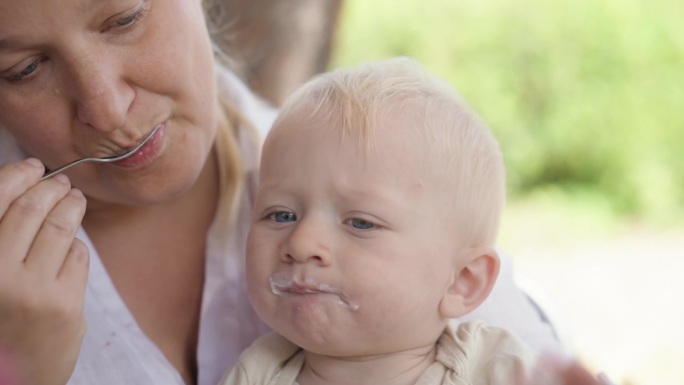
[(116, 351)]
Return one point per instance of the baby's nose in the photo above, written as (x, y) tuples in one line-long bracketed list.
[(307, 243)]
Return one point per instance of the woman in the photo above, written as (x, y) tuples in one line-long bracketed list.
[(146, 252)]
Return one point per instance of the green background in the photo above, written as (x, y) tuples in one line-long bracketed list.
[(585, 96)]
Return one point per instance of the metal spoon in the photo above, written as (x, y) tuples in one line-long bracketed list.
[(106, 159)]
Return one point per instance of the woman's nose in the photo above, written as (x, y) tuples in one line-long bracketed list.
[(102, 96), (308, 242)]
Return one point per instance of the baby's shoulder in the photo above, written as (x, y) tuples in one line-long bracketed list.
[(269, 357), (271, 347), (478, 350)]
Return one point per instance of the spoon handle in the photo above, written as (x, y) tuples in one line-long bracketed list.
[(113, 158), (51, 173)]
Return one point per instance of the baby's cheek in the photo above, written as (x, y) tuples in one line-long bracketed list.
[(258, 291), (385, 298)]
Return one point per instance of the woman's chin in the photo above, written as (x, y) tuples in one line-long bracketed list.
[(150, 190)]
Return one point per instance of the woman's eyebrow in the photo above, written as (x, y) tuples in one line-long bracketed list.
[(8, 44), (5, 45)]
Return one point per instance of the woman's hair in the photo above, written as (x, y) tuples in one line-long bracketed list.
[(232, 123), (230, 163), (355, 100), (219, 22)]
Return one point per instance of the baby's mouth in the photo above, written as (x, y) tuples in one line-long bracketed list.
[(289, 284)]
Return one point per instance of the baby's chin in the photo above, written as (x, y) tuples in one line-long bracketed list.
[(344, 347), (320, 337), (357, 340), (360, 348)]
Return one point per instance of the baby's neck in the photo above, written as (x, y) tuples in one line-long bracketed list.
[(400, 368)]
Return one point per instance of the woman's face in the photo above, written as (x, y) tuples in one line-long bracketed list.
[(84, 78)]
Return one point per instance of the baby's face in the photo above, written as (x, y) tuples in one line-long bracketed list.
[(350, 254)]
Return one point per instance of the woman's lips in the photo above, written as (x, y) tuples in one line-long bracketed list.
[(287, 284), (147, 152)]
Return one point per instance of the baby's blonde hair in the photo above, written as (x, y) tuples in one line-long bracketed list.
[(355, 100)]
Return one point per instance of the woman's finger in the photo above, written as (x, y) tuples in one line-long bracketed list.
[(16, 178), (54, 240), (25, 216), (576, 374), (74, 270)]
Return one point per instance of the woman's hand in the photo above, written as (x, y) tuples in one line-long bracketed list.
[(555, 370), (43, 271)]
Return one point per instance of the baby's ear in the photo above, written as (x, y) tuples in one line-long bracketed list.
[(471, 283)]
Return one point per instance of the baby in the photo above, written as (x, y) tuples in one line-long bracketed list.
[(375, 218)]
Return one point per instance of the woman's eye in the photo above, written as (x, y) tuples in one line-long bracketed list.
[(361, 224), (130, 19), (282, 216), (26, 72)]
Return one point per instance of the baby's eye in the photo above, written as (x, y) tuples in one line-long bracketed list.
[(361, 224), (282, 216)]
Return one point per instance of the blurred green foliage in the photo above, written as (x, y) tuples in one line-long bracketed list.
[(584, 95)]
